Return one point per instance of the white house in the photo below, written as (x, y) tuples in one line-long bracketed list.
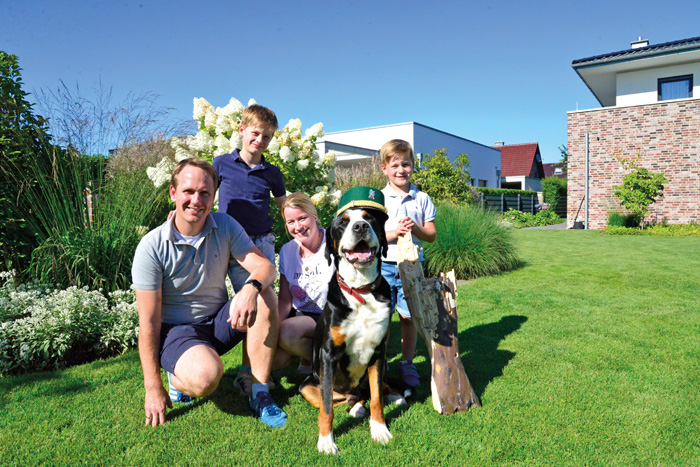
[(352, 146), (650, 98)]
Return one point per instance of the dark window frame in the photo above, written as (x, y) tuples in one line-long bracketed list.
[(675, 79)]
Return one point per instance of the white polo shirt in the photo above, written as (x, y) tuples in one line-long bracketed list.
[(416, 204)]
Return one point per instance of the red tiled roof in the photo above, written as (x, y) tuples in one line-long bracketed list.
[(518, 159)]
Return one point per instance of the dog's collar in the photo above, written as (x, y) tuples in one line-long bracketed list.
[(355, 292)]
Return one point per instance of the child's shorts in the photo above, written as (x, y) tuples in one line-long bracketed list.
[(238, 274), (390, 271)]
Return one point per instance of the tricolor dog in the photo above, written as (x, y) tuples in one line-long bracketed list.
[(350, 337)]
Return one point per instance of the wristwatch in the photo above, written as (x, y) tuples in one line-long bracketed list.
[(255, 284)]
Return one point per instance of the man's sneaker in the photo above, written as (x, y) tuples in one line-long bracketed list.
[(244, 383), (409, 374), (267, 410), (176, 395)]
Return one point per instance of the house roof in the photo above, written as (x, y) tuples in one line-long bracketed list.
[(600, 72), (517, 159), (640, 52), (550, 169)]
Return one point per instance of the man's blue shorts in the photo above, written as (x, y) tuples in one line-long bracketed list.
[(213, 331)]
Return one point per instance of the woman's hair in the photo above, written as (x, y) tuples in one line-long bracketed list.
[(300, 201)]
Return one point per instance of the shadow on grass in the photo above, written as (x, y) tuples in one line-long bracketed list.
[(482, 359)]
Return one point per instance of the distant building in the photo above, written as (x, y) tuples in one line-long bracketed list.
[(650, 107), (354, 146), (521, 166), (554, 169)]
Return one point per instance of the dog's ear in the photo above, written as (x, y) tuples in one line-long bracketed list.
[(329, 245)]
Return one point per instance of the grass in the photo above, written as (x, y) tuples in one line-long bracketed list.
[(587, 355)]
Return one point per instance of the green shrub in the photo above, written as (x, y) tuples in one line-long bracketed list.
[(640, 188), (504, 191), (443, 180), (23, 135), (43, 328), (617, 219), (470, 240), (526, 219), (553, 189), (684, 230)]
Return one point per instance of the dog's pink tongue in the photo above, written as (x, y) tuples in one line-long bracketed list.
[(360, 253)]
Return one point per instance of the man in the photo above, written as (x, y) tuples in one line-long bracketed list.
[(186, 320)]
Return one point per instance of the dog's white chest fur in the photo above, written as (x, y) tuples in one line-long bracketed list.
[(364, 329)]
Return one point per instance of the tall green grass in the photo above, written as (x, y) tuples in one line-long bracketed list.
[(470, 240), (366, 173), (88, 225)]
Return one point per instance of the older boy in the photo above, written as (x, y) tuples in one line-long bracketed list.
[(178, 272), (246, 180), (410, 211)]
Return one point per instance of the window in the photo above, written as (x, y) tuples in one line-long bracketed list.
[(677, 87), (482, 183)]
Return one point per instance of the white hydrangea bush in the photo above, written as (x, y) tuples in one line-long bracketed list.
[(293, 150), (43, 328)]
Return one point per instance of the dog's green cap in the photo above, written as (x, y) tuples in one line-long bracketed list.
[(362, 197)]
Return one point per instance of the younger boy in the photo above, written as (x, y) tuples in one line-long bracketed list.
[(410, 211), (246, 180)]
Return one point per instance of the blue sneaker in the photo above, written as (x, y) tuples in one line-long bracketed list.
[(176, 395), (268, 411)]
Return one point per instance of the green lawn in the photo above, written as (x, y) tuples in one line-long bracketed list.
[(589, 354)]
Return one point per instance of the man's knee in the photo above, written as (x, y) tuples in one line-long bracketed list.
[(200, 371)]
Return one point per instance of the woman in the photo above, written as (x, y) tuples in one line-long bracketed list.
[(304, 278)]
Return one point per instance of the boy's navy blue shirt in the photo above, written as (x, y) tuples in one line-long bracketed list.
[(244, 193)]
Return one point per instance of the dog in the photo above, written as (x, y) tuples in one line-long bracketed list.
[(349, 350)]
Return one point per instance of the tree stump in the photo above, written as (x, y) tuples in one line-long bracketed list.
[(433, 307)]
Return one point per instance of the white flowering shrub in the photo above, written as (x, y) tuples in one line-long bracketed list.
[(59, 327), (292, 150)]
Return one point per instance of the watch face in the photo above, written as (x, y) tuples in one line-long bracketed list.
[(255, 284)]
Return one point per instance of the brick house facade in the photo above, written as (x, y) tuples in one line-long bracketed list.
[(650, 98), (666, 134)]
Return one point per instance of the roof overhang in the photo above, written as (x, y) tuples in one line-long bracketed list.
[(600, 73)]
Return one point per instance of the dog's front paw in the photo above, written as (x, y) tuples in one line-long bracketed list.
[(380, 432), (358, 411), (326, 445)]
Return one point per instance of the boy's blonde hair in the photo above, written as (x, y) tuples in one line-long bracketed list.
[(257, 115), (396, 147), (300, 201)]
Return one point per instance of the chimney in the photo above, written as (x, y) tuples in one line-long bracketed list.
[(498, 144), (639, 43)]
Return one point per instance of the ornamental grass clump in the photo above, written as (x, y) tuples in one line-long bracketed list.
[(88, 225), (470, 240)]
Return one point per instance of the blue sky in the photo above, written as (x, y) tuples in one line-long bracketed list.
[(486, 71)]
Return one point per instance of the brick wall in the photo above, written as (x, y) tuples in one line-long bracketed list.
[(667, 135)]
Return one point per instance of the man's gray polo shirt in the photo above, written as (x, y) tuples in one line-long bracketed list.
[(191, 278)]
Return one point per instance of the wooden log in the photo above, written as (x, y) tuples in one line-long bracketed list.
[(433, 307)]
